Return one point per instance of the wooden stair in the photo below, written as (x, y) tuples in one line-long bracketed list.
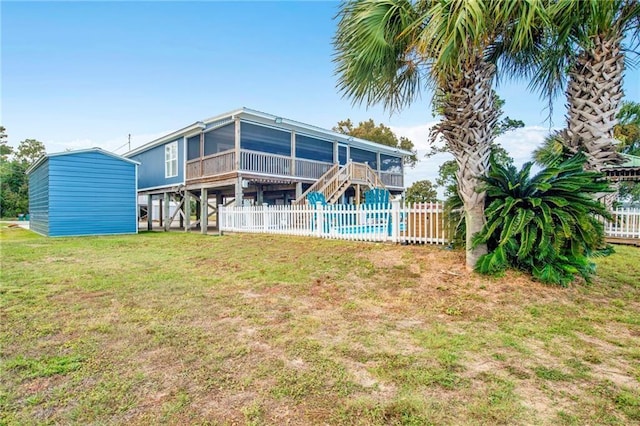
[(338, 179)]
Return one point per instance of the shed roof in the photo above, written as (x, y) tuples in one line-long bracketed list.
[(631, 161), (276, 121), (79, 151)]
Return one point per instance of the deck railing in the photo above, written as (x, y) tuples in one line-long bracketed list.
[(222, 162), (279, 165), (321, 183), (311, 169), (364, 174), (338, 179), (211, 165), (260, 162), (193, 169), (392, 179)]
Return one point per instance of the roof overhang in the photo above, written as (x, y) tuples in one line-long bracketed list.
[(79, 151), (275, 121)]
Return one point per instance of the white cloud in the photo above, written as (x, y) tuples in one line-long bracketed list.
[(419, 135), (519, 143), (427, 167)]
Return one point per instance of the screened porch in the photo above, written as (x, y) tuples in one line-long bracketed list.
[(262, 150)]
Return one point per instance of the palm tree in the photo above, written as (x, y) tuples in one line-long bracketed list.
[(388, 49), (587, 40), (627, 135)]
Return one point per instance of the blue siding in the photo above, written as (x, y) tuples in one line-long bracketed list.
[(91, 193), (39, 199), (151, 169)]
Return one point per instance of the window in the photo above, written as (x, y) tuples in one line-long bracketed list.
[(342, 154), (264, 139), (171, 160), (390, 164), (219, 140), (362, 156), (193, 147), (314, 149)]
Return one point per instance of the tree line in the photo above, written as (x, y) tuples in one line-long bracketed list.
[(14, 183)]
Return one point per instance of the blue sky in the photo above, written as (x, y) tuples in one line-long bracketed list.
[(80, 74)]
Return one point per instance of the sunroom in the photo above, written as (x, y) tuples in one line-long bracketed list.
[(282, 149)]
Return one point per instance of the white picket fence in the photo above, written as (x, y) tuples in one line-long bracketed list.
[(399, 223), (417, 223), (624, 224)]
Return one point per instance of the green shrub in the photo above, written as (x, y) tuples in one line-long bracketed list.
[(547, 225)]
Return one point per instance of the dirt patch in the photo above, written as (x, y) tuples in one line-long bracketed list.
[(620, 378), (249, 294), (42, 384), (388, 258), (480, 366), (374, 388), (543, 408), (408, 323), (228, 406), (77, 295), (603, 346)]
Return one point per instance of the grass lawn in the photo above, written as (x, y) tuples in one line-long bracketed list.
[(250, 329)]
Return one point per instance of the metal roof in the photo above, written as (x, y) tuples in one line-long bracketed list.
[(275, 121), (79, 151), (631, 161)]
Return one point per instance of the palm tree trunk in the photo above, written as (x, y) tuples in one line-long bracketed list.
[(469, 117), (594, 94)]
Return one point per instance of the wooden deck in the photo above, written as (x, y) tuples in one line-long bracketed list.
[(624, 241), (221, 166)]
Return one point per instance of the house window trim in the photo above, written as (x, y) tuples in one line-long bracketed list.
[(169, 149)]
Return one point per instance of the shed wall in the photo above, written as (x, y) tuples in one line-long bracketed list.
[(91, 193), (151, 173), (39, 199)]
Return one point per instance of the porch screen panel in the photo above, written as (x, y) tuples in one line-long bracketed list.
[(193, 147), (314, 149), (221, 139), (390, 164), (264, 139), (362, 156)]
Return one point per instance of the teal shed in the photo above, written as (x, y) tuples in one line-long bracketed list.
[(85, 192)]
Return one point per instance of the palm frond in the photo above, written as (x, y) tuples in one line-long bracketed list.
[(375, 59)]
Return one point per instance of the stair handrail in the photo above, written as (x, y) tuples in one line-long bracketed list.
[(369, 176), (343, 172), (322, 180), (333, 180), (337, 184), (373, 179)]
